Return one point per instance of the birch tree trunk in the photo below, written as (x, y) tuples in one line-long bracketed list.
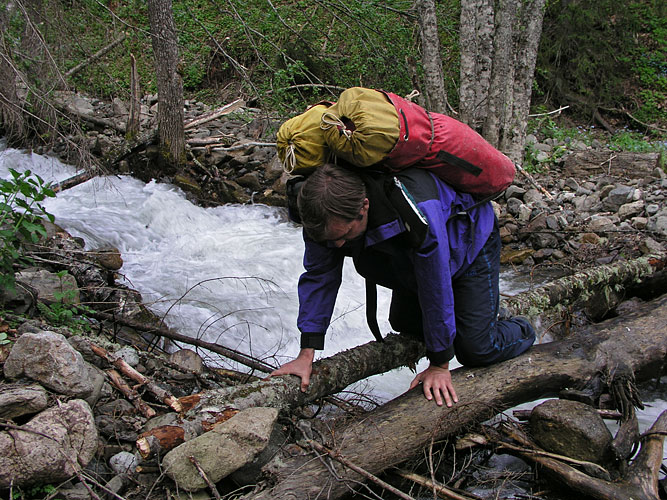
[(169, 82), (436, 94), (11, 108)]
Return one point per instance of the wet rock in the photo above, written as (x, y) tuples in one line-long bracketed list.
[(188, 360), (51, 447), (49, 359), (223, 450), (17, 400), (572, 429), (108, 257), (250, 181)]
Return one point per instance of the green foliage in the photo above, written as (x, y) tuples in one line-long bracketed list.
[(20, 212), (4, 338), (37, 491), (64, 312), (605, 54)]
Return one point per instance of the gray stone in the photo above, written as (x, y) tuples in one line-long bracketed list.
[(652, 209), (618, 196), (50, 287), (571, 183), (532, 196), (513, 206), (600, 223), (572, 429), (223, 450), (127, 354), (631, 209), (188, 360), (17, 400), (651, 247), (124, 463), (658, 224), (524, 213), (63, 440), (514, 191), (49, 359)]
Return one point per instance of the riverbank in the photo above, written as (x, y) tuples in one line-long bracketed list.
[(606, 216)]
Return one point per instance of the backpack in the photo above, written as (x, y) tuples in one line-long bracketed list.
[(378, 129)]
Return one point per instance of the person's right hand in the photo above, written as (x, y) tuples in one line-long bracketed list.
[(302, 367)]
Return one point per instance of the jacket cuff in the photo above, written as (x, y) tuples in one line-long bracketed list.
[(312, 341), (440, 357)]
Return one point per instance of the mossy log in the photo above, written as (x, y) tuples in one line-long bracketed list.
[(406, 425)]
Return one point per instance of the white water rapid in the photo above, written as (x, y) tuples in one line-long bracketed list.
[(225, 274)]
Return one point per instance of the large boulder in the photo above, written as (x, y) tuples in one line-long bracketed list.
[(52, 447), (572, 429), (223, 450), (49, 359)]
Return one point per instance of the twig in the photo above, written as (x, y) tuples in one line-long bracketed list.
[(205, 477), (555, 111), (95, 56), (224, 110), (130, 372), (439, 488), (130, 394), (534, 182), (338, 457)]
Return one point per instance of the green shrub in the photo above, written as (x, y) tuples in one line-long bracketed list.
[(20, 219)]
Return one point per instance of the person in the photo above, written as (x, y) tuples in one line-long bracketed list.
[(442, 267)]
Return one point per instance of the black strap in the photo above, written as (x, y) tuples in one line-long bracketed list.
[(455, 161), (371, 310)]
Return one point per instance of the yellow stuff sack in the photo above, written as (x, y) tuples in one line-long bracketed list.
[(362, 127), (300, 141)]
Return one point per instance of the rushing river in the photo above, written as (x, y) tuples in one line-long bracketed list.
[(226, 274)]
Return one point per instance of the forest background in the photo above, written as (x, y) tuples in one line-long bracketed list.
[(604, 62)]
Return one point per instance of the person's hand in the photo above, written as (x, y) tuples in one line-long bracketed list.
[(437, 383), (302, 367)]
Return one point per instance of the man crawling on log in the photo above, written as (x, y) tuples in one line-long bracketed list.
[(438, 250)]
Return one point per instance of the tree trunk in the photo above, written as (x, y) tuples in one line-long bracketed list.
[(436, 95), (11, 107), (510, 39), (527, 40), (476, 41), (405, 426), (169, 83)]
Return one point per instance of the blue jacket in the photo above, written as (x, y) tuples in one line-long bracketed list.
[(449, 247)]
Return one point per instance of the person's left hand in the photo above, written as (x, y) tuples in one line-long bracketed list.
[(437, 383)]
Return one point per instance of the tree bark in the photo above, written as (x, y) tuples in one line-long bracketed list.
[(498, 54), (169, 83), (403, 427), (11, 107), (133, 126), (476, 40), (436, 95)]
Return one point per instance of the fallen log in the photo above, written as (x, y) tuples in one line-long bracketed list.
[(581, 165), (333, 374), (405, 426)]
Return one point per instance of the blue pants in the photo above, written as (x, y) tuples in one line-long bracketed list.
[(480, 338)]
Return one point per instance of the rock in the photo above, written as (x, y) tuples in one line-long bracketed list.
[(49, 359), (188, 360), (571, 183), (651, 247), (17, 400), (223, 450), (532, 196), (63, 440), (124, 463), (127, 354), (513, 206), (515, 256), (250, 181), (514, 191), (572, 429), (590, 238), (600, 224), (629, 210), (108, 257), (51, 288), (617, 197)]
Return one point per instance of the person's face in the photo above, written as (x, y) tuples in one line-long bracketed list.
[(340, 231)]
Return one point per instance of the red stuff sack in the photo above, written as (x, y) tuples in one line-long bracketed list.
[(450, 149)]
